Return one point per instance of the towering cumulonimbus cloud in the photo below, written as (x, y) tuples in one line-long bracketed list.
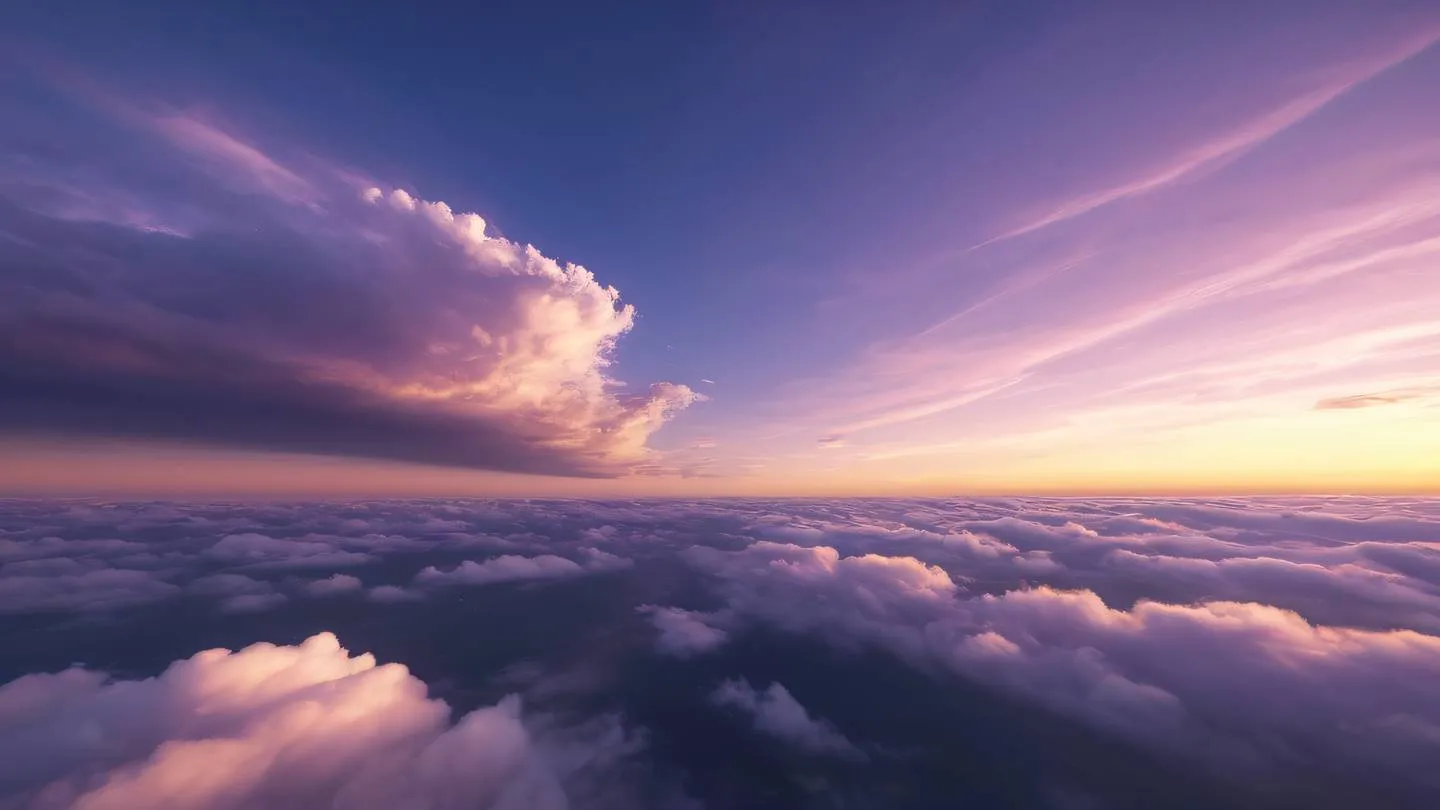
[(346, 320), (272, 727)]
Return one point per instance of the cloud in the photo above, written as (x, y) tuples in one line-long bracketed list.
[(776, 713), (94, 590), (333, 585), (273, 727), (595, 560), (512, 568), (1238, 684), (253, 602), (229, 585), (683, 633), (70, 557), (1228, 145), (50, 546), (391, 594), (1364, 401), (268, 552), (238, 593), (307, 315), (231, 159), (1255, 635)]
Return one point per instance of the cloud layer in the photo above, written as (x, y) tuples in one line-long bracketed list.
[(1269, 641)]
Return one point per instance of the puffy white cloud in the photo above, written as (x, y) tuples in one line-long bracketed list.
[(683, 632), (274, 728), (775, 712), (512, 567)]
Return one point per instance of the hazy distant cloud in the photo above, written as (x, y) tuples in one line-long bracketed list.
[(93, 590), (238, 593), (309, 315), (511, 568), (333, 585), (274, 727), (775, 712), (263, 551), (226, 584), (253, 602), (232, 160), (392, 593), (1229, 145), (1364, 401)]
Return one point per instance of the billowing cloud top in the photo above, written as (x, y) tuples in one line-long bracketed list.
[(267, 726), (270, 307)]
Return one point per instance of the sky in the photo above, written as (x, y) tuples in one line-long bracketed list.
[(715, 249)]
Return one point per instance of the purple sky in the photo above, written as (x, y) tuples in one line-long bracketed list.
[(1010, 247)]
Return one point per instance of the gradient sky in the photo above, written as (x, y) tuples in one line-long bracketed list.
[(870, 248)]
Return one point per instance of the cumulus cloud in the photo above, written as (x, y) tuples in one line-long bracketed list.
[(872, 595), (683, 633), (253, 602), (775, 712), (238, 593), (391, 594), (262, 551), (334, 585), (1241, 683), (1247, 632), (93, 590), (274, 728), (512, 568), (304, 314)]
